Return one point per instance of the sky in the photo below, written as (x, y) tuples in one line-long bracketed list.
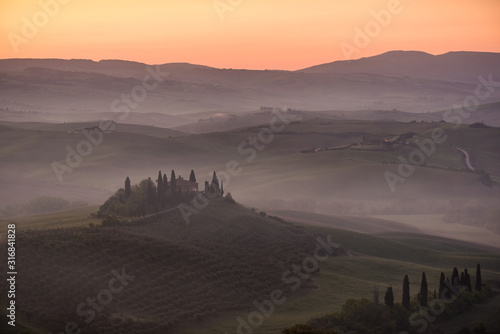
[(251, 34)]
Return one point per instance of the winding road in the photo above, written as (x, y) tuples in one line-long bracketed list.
[(467, 159)]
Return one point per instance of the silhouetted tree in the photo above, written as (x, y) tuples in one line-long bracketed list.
[(478, 277), (165, 187), (151, 193), (406, 293), (128, 191), (389, 297), (454, 277), (467, 281), (423, 290), (214, 189), (192, 177), (173, 184), (159, 190), (461, 282), (441, 285), (222, 189), (215, 180)]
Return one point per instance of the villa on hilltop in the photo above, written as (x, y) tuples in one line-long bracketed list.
[(185, 187)]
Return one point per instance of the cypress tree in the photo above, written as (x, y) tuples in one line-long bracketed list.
[(173, 184), (441, 286), (151, 192), (160, 178), (215, 180), (478, 277), (389, 297), (214, 186), (467, 282), (461, 282), (159, 190), (165, 188), (406, 293), (423, 290), (128, 191), (192, 177), (221, 188), (454, 277)]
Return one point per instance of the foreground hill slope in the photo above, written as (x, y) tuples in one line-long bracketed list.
[(200, 277), (182, 274)]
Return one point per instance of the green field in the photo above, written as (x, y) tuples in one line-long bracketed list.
[(62, 219)]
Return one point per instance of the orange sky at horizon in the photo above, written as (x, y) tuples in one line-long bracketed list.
[(251, 34)]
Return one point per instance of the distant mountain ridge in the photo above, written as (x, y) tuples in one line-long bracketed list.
[(459, 65), (82, 90), (114, 67), (455, 64)]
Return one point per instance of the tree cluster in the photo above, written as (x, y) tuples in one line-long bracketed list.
[(367, 316), (150, 196)]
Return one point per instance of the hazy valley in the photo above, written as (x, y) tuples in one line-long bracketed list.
[(372, 154)]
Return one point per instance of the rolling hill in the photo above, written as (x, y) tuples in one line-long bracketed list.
[(84, 90), (452, 66), (202, 277), (337, 179)]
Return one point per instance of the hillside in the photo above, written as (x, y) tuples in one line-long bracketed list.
[(200, 277), (183, 275), (448, 66), (487, 113), (84, 90), (345, 175), (402, 227)]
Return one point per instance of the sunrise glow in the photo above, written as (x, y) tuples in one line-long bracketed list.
[(256, 34)]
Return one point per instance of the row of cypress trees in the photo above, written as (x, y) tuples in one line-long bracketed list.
[(163, 190), (166, 194), (459, 282)]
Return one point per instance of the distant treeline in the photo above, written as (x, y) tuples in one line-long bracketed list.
[(41, 204)]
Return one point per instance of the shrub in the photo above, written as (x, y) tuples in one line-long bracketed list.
[(229, 198), (478, 125), (110, 221)]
